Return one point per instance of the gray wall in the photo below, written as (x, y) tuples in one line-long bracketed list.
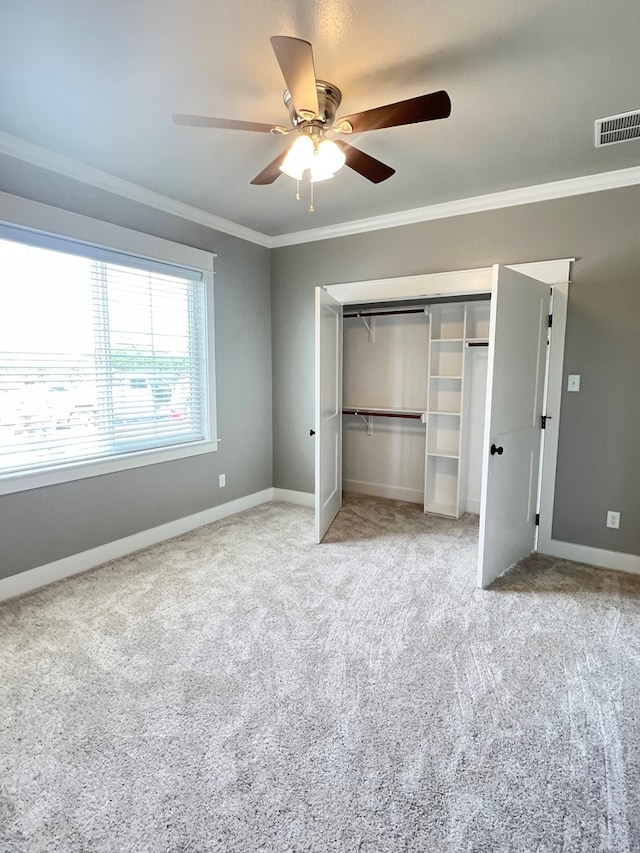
[(598, 465), (43, 525)]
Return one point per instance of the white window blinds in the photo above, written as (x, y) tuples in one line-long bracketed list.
[(101, 354)]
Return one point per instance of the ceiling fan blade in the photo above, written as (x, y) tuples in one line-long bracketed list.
[(221, 123), (423, 108), (269, 174), (373, 170), (295, 58)]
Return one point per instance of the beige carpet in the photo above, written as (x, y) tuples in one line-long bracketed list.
[(241, 689)]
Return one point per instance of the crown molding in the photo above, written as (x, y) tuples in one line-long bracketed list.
[(36, 155), (461, 207)]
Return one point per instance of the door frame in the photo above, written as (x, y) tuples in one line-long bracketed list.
[(556, 273)]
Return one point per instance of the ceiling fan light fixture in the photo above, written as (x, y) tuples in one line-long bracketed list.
[(330, 156), (299, 158), (317, 173), (322, 159)]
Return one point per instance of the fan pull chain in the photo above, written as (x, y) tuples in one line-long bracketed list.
[(311, 207), (297, 190)]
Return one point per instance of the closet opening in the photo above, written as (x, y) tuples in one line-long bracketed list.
[(417, 414), (413, 401)]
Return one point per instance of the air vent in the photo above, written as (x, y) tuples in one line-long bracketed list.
[(620, 128)]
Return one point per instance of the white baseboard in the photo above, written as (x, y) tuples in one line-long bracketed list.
[(473, 506), (42, 575), (302, 498), (598, 557), (382, 490)]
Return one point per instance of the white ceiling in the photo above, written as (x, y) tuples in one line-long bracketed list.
[(98, 81)]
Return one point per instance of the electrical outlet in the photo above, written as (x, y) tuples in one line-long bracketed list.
[(222, 480), (613, 519)]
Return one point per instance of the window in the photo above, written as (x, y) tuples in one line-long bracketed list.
[(103, 360)]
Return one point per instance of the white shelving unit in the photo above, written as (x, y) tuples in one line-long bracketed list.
[(453, 328)]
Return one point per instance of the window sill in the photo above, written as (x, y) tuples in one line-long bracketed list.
[(10, 483)]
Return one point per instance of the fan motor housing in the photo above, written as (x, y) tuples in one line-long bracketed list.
[(329, 99)]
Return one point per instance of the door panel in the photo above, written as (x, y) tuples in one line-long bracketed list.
[(328, 403), (515, 384)]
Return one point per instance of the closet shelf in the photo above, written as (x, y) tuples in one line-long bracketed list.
[(442, 454), (441, 509), (446, 340), (444, 412), (444, 376)]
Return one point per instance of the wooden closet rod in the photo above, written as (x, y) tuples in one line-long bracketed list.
[(370, 413), (386, 313)]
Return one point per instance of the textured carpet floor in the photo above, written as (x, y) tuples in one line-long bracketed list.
[(240, 689)]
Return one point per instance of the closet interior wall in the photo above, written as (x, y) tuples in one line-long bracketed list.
[(385, 370), (389, 363)]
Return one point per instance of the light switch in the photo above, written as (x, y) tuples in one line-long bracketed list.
[(574, 382)]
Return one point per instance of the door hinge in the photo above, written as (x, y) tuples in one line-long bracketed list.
[(550, 320), (537, 519), (543, 421)]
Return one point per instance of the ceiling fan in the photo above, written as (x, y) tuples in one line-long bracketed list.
[(312, 106)]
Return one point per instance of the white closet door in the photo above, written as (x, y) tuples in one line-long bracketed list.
[(517, 351), (328, 404)]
